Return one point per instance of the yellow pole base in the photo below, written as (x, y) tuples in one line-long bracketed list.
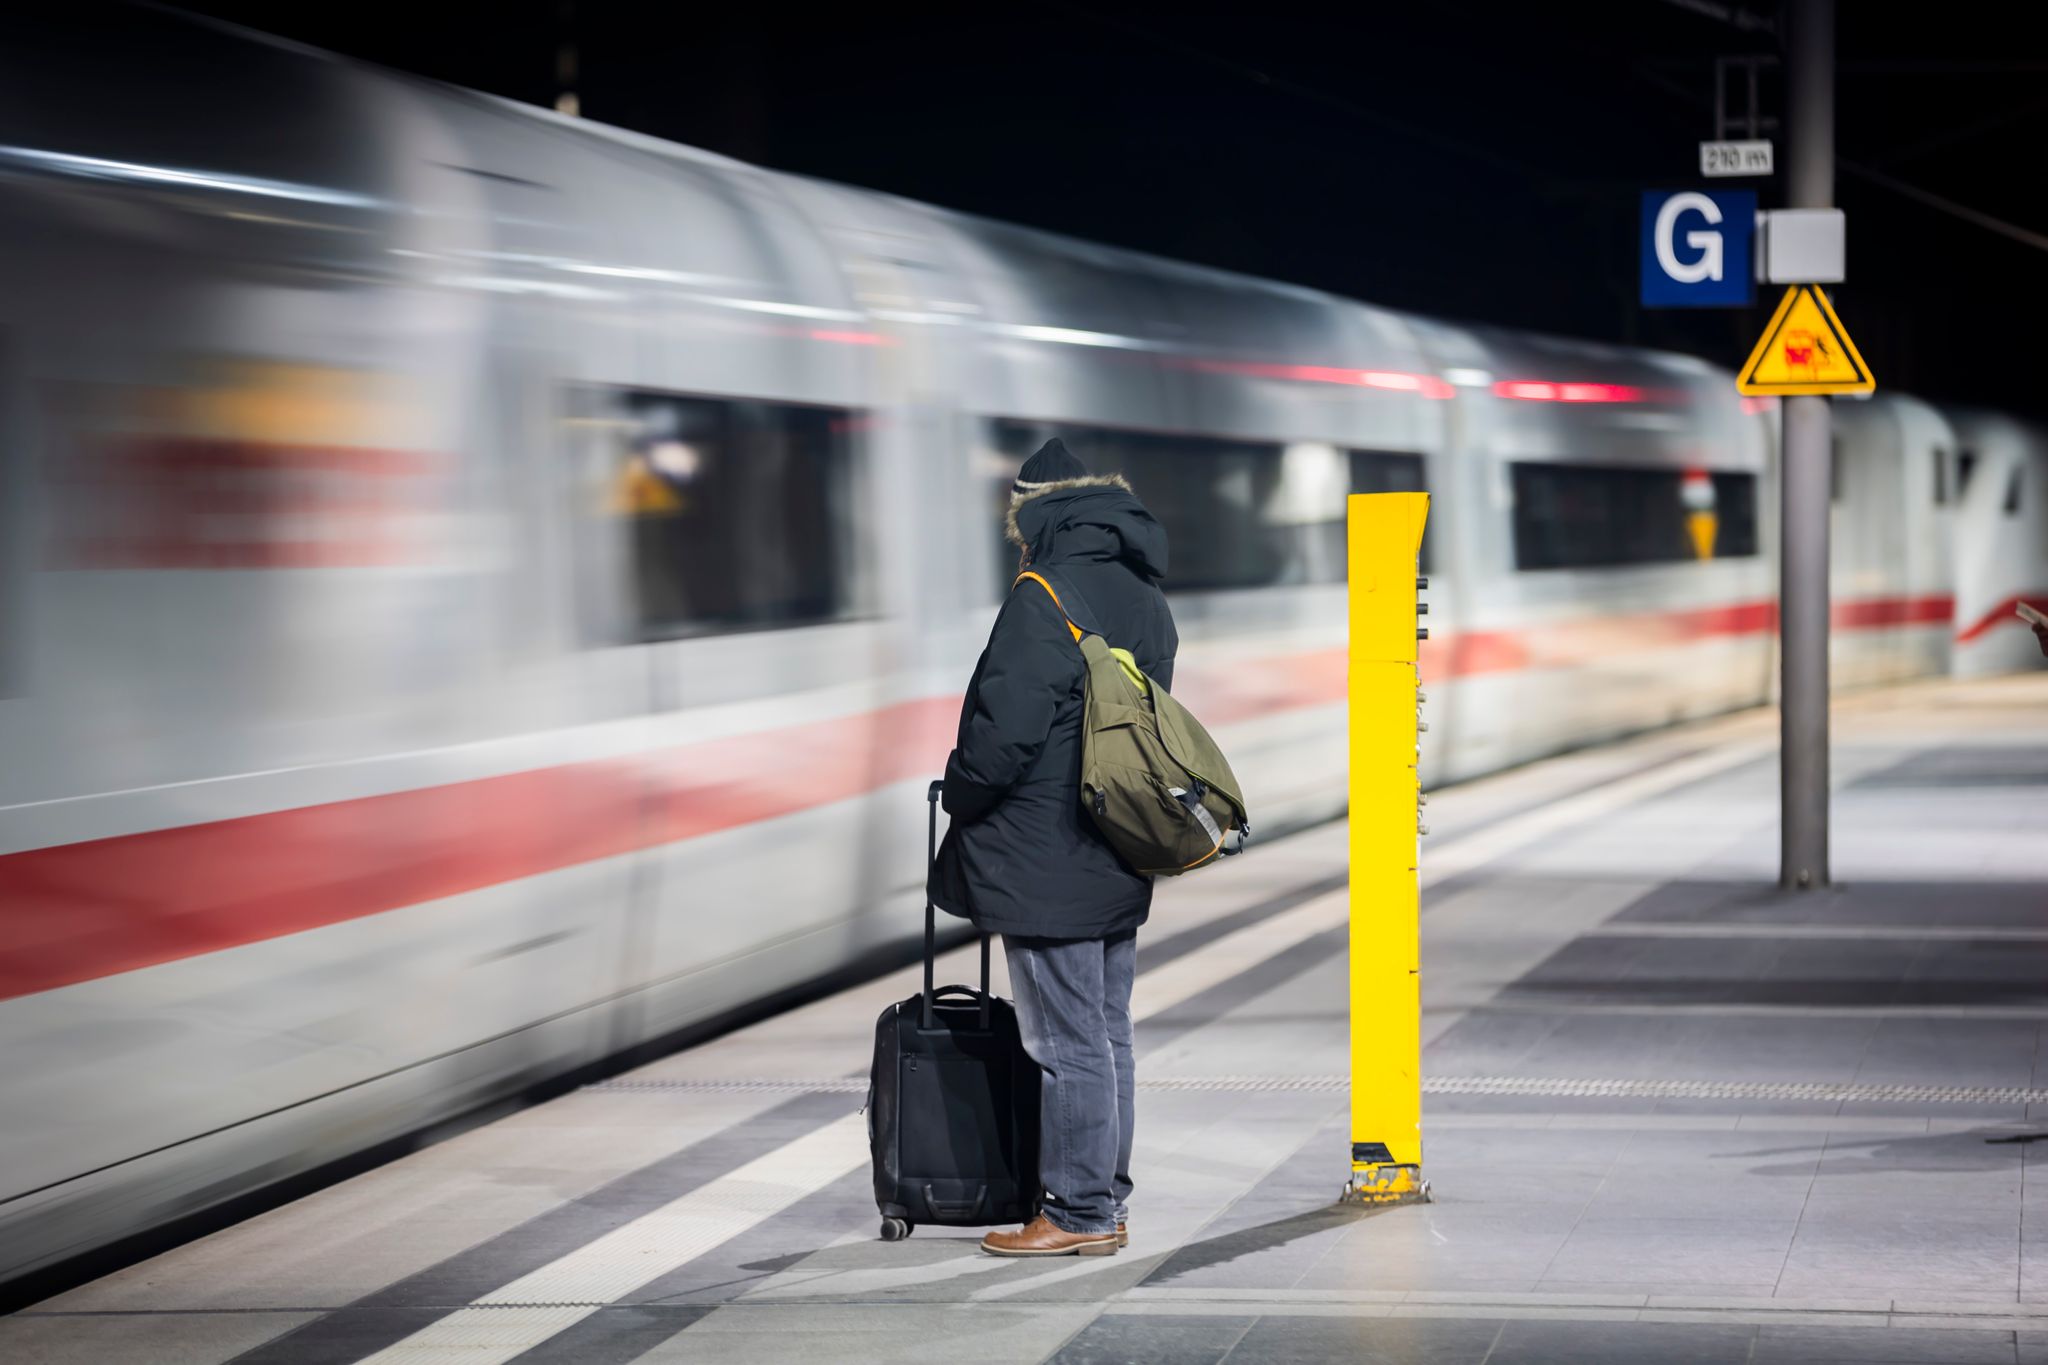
[(1386, 1184)]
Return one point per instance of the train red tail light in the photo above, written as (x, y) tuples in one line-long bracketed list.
[(1428, 385), (1545, 391), (1396, 381)]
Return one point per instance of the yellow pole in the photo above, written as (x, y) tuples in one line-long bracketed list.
[(1385, 541)]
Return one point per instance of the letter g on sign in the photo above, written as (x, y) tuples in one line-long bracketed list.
[(1694, 248), (1707, 265)]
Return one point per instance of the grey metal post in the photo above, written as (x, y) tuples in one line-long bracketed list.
[(1804, 482)]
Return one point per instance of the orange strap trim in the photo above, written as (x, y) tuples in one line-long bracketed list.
[(1055, 601), (1196, 863)]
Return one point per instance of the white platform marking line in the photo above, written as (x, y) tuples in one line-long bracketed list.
[(1184, 978), (1211, 965), (481, 1334), (512, 1319), (1568, 813)]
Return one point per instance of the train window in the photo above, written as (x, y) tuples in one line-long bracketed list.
[(14, 543), (1238, 514), (1735, 515), (1940, 477), (1381, 471), (1966, 465), (737, 514), (1572, 516), (2012, 494)]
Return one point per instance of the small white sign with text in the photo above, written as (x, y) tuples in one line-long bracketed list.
[(1735, 158)]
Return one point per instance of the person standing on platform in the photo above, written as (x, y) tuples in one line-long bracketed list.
[(1022, 858)]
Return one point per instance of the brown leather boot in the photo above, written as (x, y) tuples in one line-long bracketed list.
[(1123, 1235), (1043, 1237)]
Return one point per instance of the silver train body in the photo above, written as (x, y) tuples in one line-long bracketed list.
[(481, 591)]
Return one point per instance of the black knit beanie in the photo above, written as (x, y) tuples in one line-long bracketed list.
[(1053, 463)]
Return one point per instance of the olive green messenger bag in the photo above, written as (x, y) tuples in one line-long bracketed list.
[(1156, 784)]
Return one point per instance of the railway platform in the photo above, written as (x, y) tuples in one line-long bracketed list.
[(1670, 1114)]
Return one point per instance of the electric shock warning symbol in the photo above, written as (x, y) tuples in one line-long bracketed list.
[(1805, 349)]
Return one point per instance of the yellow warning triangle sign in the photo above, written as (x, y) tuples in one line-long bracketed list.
[(1805, 349)]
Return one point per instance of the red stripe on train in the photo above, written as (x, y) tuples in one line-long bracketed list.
[(1938, 609), (2004, 612), (77, 912), (1262, 686), (1568, 644)]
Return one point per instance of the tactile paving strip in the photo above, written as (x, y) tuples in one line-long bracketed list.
[(1533, 1086), (1731, 1090)]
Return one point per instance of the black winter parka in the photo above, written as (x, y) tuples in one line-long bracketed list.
[(1021, 855)]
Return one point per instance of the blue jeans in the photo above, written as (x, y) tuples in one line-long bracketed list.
[(1074, 1009)]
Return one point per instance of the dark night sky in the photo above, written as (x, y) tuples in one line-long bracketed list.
[(1475, 160)]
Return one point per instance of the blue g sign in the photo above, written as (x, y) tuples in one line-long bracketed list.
[(1695, 248)]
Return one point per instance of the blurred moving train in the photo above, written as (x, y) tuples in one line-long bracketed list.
[(480, 590)]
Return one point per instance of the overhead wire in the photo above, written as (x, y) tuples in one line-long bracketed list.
[(2025, 236), (1420, 132)]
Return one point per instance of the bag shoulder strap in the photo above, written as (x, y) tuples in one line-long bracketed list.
[(1040, 581), (1122, 658)]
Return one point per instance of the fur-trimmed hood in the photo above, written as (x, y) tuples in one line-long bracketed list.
[(1015, 535), (1096, 517)]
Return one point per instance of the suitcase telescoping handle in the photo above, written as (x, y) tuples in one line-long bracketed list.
[(931, 922)]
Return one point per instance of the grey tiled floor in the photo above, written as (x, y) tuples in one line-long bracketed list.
[(1245, 1340), (1642, 944)]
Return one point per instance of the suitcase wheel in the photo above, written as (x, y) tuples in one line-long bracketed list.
[(896, 1229)]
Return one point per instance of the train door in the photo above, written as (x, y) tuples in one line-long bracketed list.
[(1866, 542), (1927, 498), (729, 476), (925, 459)]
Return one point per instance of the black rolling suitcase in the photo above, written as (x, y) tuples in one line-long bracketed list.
[(952, 1102)]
